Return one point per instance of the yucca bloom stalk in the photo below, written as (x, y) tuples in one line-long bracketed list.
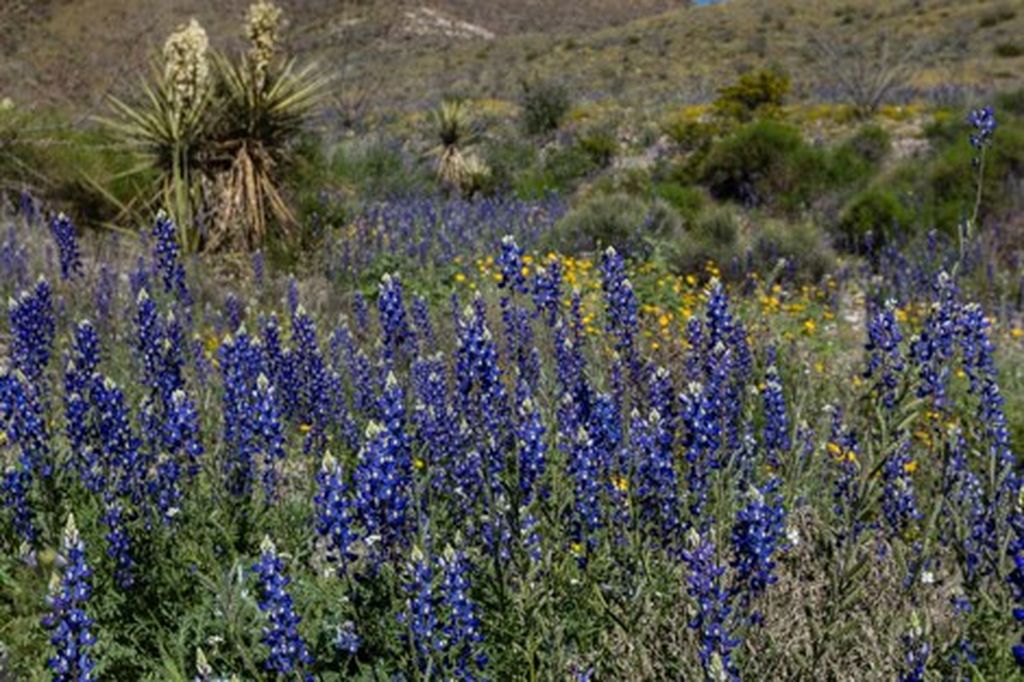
[(169, 127)]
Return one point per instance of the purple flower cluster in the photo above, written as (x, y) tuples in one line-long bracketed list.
[(63, 231), (67, 620), (287, 653)]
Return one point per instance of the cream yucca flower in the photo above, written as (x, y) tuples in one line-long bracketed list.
[(262, 24), (186, 66)]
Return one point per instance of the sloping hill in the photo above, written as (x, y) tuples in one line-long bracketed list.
[(401, 54)]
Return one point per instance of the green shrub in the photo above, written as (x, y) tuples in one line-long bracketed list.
[(758, 93), (636, 182), (877, 211), (996, 16), (711, 238), (1011, 102), (628, 223), (766, 163), (871, 143), (950, 186), (803, 246), (508, 160), (600, 144), (686, 200), (858, 158), (545, 104), (1008, 50), (375, 168), (689, 135)]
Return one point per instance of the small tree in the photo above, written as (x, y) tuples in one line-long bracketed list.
[(757, 93), (864, 68), (545, 104)]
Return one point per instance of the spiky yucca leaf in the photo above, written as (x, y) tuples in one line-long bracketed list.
[(457, 167), (170, 139), (261, 114)]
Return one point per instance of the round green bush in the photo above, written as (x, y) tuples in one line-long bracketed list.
[(801, 249), (628, 223), (766, 163), (875, 211)]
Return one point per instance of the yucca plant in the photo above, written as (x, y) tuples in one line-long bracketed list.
[(169, 127), (264, 102), (219, 131), (457, 165), (260, 116)]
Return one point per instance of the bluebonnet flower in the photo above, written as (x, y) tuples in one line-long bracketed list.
[(13, 260), (479, 383), (421, 319), (530, 438), (547, 291), (657, 481), (334, 512), (149, 340), (293, 295), (964, 494), (436, 421), (932, 349), (584, 469), (313, 401), (67, 619), (621, 309), (979, 365), (899, 499), (420, 613), (15, 486), (233, 312), (776, 421), (463, 638), (703, 413), (138, 278), (119, 542), (268, 434), (27, 207), (361, 377), (1016, 578), (712, 610), (167, 259), (241, 365), (510, 266), (757, 536), (32, 330), (259, 267), (287, 653), (885, 359), (347, 639), (63, 232), (844, 453), (916, 651), (181, 432), (23, 425), (395, 329), (983, 122), (520, 348), (362, 312), (383, 475), (125, 467)]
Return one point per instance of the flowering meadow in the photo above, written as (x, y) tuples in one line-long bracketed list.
[(544, 467)]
